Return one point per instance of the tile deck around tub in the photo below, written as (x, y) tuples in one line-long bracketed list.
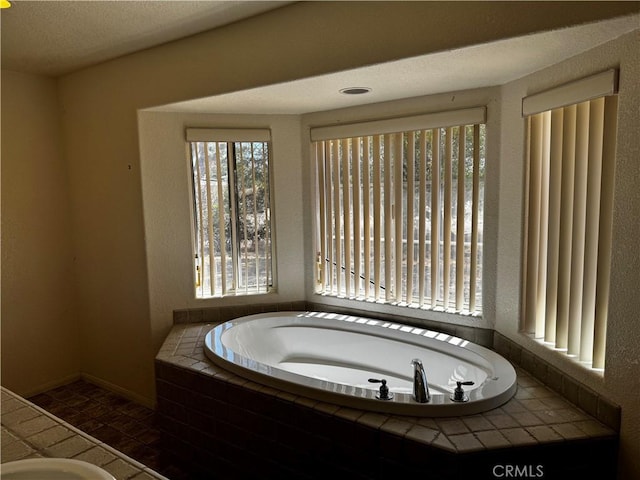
[(28, 431), (535, 415)]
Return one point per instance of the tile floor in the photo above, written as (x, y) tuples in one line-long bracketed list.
[(28, 432), (124, 425)]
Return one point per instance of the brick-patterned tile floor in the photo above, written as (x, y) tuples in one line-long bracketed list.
[(127, 426)]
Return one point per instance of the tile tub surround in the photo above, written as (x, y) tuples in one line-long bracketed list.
[(226, 424), (28, 431), (577, 393)]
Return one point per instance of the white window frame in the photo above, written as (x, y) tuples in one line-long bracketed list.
[(214, 184), (341, 270)]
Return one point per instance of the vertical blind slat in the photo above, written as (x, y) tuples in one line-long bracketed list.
[(256, 245), (388, 215), (475, 205), (553, 239), (329, 216), (200, 213), (346, 215), (446, 264), (221, 229), (377, 233), (207, 170), (566, 225), (243, 213), (460, 217), (355, 165), (422, 220), (435, 216), (322, 241), (411, 159), (366, 192), (579, 224), (233, 207), (604, 234), (533, 221), (335, 160), (267, 212), (543, 228), (525, 322), (398, 183), (594, 174)]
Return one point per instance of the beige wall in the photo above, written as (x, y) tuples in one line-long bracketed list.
[(39, 321), (167, 206), (120, 317), (99, 114), (621, 382)]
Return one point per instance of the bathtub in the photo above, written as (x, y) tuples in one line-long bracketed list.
[(330, 357)]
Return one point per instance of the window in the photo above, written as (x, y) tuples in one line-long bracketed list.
[(231, 211), (571, 147), (399, 210)]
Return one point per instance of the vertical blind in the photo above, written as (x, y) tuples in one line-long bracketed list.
[(571, 159), (231, 211), (399, 212)]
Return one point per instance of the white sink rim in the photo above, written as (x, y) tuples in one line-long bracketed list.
[(55, 465)]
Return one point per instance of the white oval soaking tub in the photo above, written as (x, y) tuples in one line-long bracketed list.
[(330, 357)]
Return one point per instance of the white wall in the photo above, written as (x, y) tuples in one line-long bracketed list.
[(167, 208), (40, 328), (621, 381)]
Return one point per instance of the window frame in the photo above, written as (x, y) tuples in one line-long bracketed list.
[(388, 127), (231, 137)]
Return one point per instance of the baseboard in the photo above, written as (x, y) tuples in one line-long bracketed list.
[(48, 385), (128, 394)]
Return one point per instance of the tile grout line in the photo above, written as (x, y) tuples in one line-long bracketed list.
[(93, 441)]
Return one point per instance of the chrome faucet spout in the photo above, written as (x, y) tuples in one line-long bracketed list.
[(420, 385)]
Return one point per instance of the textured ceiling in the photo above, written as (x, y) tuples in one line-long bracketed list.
[(57, 37)]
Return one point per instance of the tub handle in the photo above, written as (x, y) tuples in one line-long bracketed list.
[(458, 394), (383, 393)]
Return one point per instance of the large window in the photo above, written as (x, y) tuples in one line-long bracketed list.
[(571, 157), (231, 211), (399, 210)]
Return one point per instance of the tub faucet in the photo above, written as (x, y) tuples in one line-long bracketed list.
[(420, 384)]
